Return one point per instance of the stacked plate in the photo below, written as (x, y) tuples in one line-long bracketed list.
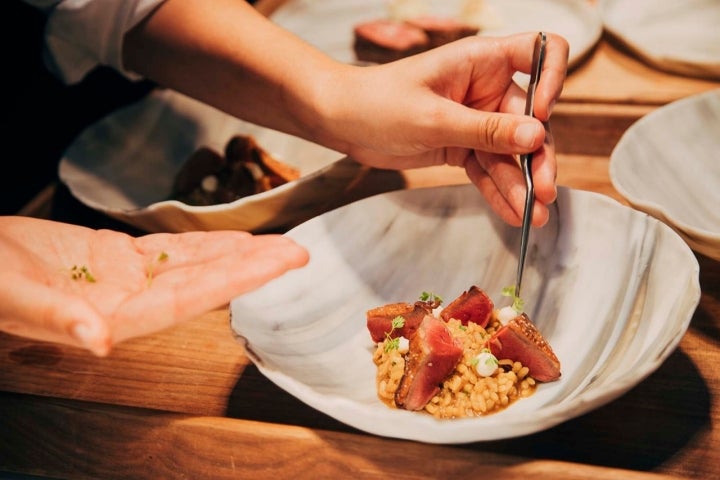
[(678, 37), (668, 165), (328, 24), (125, 165)]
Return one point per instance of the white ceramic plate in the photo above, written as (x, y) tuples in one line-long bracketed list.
[(679, 37), (611, 288), (668, 165), (124, 166), (328, 24)]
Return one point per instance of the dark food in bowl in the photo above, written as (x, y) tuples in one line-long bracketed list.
[(209, 177)]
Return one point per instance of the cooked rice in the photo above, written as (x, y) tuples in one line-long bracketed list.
[(464, 393)]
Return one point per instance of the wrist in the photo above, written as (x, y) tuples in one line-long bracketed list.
[(318, 103)]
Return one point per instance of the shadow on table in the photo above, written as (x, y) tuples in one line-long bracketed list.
[(639, 431), (248, 400), (704, 322)]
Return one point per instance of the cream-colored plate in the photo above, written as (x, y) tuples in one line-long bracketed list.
[(676, 36), (611, 288), (124, 166), (328, 24), (668, 165)]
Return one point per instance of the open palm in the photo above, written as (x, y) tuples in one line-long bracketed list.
[(94, 288)]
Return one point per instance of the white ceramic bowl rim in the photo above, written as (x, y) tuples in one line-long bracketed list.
[(306, 330)]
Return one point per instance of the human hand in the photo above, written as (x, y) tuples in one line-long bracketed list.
[(124, 287), (457, 104)]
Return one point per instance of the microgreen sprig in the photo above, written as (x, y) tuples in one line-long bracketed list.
[(162, 257), (518, 304), (430, 300), (82, 272), (394, 343), (430, 297)]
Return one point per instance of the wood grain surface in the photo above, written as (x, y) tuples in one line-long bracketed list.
[(165, 445), (198, 377)]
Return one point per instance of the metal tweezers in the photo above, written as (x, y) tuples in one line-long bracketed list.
[(526, 159)]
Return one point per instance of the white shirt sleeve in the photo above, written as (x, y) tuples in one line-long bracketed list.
[(82, 34)]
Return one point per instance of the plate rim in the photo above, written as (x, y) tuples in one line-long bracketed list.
[(590, 18), (657, 210), (667, 62), (550, 415)]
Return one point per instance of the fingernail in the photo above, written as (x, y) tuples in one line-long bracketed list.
[(525, 134), (551, 107)]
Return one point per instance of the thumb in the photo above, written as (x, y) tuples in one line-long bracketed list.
[(492, 132)]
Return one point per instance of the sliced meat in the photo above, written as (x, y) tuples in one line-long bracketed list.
[(379, 320), (432, 356), (442, 30), (521, 341), (472, 306), (382, 41)]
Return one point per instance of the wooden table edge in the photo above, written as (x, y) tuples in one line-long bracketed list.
[(152, 444)]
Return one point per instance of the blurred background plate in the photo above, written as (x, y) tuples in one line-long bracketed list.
[(611, 289), (679, 37), (124, 166), (328, 24), (668, 165)]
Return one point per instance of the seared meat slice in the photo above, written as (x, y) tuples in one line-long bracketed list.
[(442, 30), (432, 356), (379, 320), (383, 40), (521, 341), (472, 306)]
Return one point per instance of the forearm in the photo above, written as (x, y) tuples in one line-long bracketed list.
[(226, 54)]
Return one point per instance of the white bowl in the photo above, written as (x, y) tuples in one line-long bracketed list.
[(328, 24), (612, 289), (678, 37), (668, 165), (124, 165)]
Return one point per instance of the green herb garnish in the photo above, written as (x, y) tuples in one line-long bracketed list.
[(393, 343), (78, 273), (430, 297), (517, 303), (151, 268)]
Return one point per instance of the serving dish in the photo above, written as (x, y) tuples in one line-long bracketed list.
[(328, 24), (667, 164), (611, 288), (677, 37), (125, 164)]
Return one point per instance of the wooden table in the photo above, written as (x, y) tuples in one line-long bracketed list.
[(188, 403)]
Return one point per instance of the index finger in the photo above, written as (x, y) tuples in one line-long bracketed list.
[(520, 49), (552, 78)]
